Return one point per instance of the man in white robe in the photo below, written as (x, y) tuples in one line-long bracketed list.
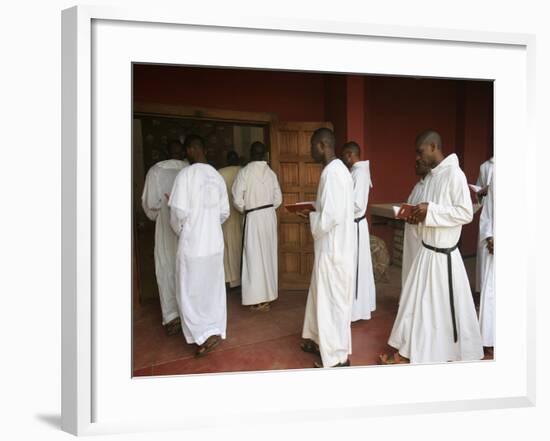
[(436, 320), (487, 299), (327, 322), (257, 194), (412, 237), (364, 298), (154, 200), (232, 227), (484, 180), (199, 206)]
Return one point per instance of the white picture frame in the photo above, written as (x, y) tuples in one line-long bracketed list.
[(97, 42)]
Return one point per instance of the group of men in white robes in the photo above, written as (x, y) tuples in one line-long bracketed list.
[(436, 319), (197, 252)]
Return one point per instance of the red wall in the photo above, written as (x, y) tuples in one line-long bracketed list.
[(293, 96)]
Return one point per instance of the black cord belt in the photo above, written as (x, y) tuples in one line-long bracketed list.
[(448, 252), (357, 220), (244, 229)]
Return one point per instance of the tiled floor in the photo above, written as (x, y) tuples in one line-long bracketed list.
[(257, 340)]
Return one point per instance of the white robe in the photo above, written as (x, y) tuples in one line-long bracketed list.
[(487, 299), (423, 329), (158, 182), (232, 232), (199, 206), (256, 185), (364, 301), (412, 237), (485, 178), (330, 297)]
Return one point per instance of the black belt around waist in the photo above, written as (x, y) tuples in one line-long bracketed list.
[(448, 252), (263, 207), (357, 220)]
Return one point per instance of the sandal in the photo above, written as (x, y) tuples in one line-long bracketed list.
[(394, 359), (262, 307), (173, 327), (210, 343), (311, 347)]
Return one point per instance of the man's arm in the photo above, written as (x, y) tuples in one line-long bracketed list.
[(151, 199), (277, 195), (460, 212), (224, 202), (178, 204), (361, 186), (332, 210), (237, 191)]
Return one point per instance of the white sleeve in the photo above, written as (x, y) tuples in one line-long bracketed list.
[(224, 202), (178, 203), (151, 199), (277, 195), (237, 191), (480, 179), (331, 210), (459, 212), (486, 217), (361, 184)]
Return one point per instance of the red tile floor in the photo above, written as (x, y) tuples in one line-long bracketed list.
[(257, 340)]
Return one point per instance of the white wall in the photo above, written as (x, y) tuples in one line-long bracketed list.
[(30, 215)]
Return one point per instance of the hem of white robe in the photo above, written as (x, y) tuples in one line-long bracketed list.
[(413, 360), (204, 336), (361, 315), (169, 317), (234, 283), (488, 344), (333, 359)]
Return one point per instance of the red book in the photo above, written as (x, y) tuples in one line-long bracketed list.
[(299, 206), (403, 212)]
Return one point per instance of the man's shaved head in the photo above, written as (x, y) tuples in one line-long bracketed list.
[(196, 150), (325, 136), (353, 147), (193, 140), (430, 137), (257, 151), (232, 158), (175, 149), (429, 150), (323, 143), (351, 153)]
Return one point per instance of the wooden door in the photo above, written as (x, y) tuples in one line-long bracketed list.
[(298, 176)]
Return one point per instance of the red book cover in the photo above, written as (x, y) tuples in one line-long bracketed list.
[(299, 206), (403, 212)]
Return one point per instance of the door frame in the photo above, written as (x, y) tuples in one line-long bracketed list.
[(267, 119)]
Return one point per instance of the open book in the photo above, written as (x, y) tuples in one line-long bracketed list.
[(402, 212), (299, 206)]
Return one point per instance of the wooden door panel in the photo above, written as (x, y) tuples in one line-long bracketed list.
[(289, 175), (288, 145), (298, 176), (290, 235), (310, 174)]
